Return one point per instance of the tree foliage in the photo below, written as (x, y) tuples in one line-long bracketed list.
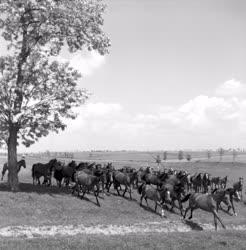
[(188, 157), (165, 155), (234, 154), (221, 153), (180, 155), (37, 92)]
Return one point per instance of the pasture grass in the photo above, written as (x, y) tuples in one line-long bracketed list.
[(39, 205), (179, 241)]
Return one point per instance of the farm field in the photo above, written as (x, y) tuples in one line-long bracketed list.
[(120, 223)]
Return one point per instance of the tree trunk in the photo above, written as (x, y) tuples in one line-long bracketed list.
[(12, 159)]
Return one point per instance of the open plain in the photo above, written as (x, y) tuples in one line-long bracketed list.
[(44, 217)]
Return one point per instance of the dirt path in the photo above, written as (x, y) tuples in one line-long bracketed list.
[(140, 228)]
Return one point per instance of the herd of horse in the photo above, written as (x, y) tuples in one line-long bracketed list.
[(168, 188)]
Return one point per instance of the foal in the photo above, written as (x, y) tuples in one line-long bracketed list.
[(222, 196)]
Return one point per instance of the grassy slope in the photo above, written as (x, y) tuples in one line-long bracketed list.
[(52, 206)]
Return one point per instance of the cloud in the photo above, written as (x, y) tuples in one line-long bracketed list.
[(231, 88), (203, 121), (202, 114), (96, 116), (87, 63)]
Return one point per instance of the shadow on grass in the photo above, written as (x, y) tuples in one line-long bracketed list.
[(149, 209), (39, 189), (87, 199), (124, 197), (193, 225)]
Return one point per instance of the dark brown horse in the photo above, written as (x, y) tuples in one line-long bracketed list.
[(125, 179), (44, 170), (197, 182), (215, 182), (159, 196), (205, 202), (176, 187), (223, 182), (85, 182), (65, 172), (206, 182), (20, 164), (226, 196)]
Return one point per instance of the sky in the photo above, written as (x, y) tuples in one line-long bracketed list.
[(175, 78)]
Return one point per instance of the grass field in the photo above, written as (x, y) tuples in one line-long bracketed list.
[(36, 206)]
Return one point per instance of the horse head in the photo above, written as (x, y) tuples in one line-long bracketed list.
[(237, 195), (22, 163)]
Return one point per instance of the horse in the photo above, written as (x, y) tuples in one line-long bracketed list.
[(150, 178), (215, 182), (176, 188), (98, 172), (239, 186), (125, 179), (223, 182), (21, 163), (108, 170), (206, 182), (86, 182), (205, 202), (45, 170), (197, 182), (187, 181), (67, 172), (222, 196), (159, 196)]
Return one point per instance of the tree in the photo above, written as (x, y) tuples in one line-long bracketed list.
[(165, 155), (188, 157), (38, 93), (221, 153), (209, 154), (180, 155), (234, 154)]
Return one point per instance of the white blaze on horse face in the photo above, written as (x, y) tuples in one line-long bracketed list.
[(237, 196)]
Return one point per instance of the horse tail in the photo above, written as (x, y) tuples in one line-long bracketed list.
[(33, 170), (186, 198), (140, 188)]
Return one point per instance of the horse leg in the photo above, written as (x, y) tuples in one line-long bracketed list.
[(180, 207), (141, 199), (155, 206), (146, 201), (215, 222), (124, 191), (130, 192), (116, 186), (191, 213), (216, 215), (109, 185), (232, 205), (96, 194), (186, 210)]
